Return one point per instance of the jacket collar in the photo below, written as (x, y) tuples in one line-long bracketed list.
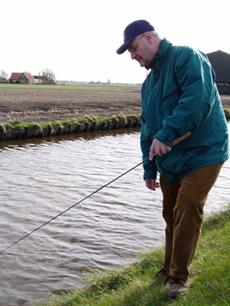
[(161, 54)]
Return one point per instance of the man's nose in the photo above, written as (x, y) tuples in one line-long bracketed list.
[(133, 55)]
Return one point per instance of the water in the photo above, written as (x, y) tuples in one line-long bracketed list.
[(43, 178)]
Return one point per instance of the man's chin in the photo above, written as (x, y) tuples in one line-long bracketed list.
[(144, 64)]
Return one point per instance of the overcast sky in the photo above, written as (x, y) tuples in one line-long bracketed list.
[(77, 39)]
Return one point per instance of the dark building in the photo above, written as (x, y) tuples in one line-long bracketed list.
[(221, 64)]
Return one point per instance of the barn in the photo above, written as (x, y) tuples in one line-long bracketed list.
[(220, 62)]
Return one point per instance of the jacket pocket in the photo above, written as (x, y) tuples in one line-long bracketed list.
[(174, 162)]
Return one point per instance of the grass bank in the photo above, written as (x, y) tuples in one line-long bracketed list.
[(135, 285), (227, 113), (26, 130)]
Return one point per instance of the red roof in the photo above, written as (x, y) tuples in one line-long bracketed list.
[(28, 76), (15, 75)]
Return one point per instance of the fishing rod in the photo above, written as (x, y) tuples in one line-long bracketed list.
[(67, 209), (176, 141)]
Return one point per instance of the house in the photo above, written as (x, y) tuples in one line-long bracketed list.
[(220, 62), (21, 78), (44, 79)]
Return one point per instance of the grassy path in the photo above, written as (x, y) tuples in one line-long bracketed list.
[(135, 285)]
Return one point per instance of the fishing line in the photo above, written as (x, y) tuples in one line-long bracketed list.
[(176, 141), (67, 209)]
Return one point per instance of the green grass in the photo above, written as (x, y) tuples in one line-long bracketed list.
[(227, 113), (135, 285), (79, 87), (23, 130)]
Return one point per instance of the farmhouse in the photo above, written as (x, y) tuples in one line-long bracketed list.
[(221, 64), (44, 79), (21, 78)]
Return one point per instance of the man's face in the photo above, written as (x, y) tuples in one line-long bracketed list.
[(142, 50)]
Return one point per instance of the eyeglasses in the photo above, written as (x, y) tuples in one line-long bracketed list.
[(134, 45)]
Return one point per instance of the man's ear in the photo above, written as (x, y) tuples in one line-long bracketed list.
[(149, 37)]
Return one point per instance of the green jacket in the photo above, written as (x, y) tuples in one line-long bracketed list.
[(180, 95)]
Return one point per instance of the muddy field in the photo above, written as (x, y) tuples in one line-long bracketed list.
[(33, 104), (49, 103)]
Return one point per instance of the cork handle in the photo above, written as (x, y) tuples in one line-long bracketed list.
[(181, 138)]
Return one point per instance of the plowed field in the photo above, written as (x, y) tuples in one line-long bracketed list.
[(36, 103)]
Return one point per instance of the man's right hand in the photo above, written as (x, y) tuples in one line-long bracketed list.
[(158, 148), (152, 184)]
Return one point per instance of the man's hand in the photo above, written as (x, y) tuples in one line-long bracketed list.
[(158, 148), (152, 184)]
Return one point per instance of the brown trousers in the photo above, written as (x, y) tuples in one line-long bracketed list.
[(183, 204)]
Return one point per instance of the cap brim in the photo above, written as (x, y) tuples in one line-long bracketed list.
[(122, 48)]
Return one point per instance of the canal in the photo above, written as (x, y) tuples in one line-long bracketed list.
[(41, 178)]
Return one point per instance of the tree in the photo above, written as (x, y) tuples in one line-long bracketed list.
[(49, 76), (3, 75)]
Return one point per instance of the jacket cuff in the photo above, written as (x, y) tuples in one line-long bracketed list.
[(165, 137), (150, 170)]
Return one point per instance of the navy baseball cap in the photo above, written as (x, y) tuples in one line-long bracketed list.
[(132, 31)]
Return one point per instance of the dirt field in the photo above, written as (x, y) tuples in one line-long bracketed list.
[(33, 104), (49, 103)]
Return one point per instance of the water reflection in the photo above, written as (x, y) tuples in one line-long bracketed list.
[(9, 144)]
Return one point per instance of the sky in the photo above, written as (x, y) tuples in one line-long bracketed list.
[(77, 39)]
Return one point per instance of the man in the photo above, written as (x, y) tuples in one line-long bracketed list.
[(183, 137)]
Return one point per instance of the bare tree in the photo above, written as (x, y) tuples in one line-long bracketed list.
[(49, 76), (3, 74)]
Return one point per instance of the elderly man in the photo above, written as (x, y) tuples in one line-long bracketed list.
[(180, 100)]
